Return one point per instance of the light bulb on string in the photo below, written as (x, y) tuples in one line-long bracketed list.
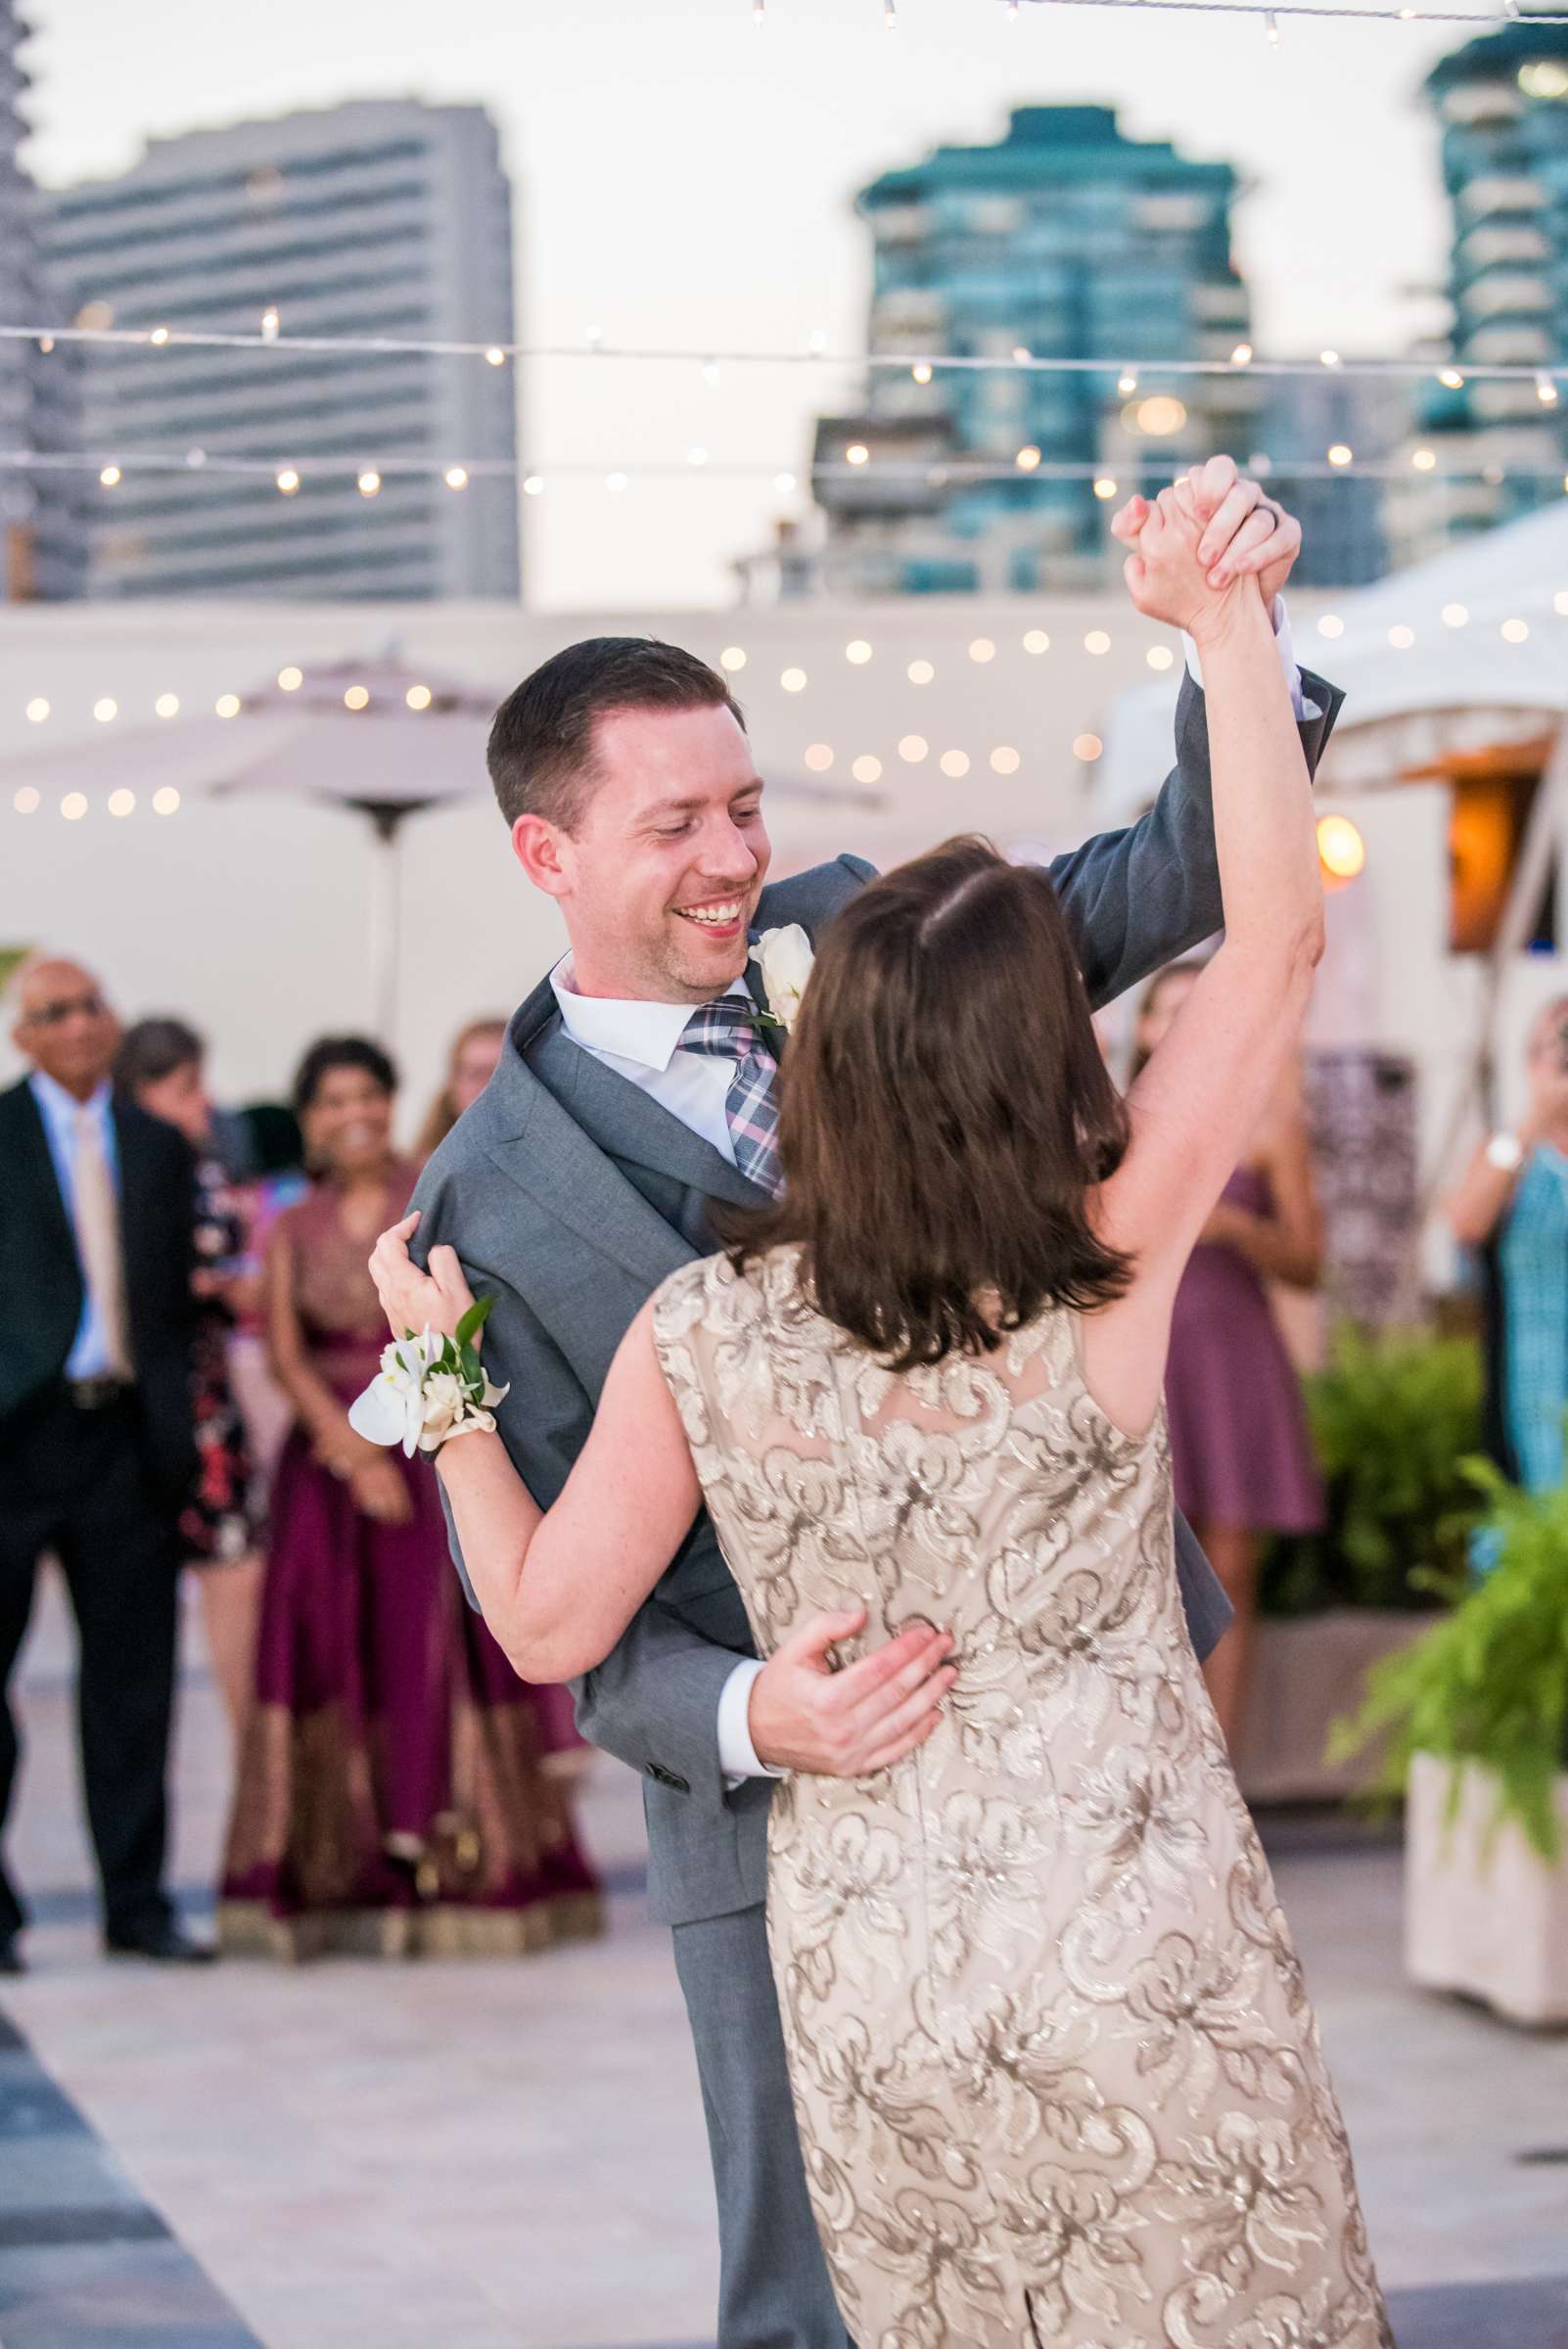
[(759, 14), (1126, 383), (1272, 27), (269, 324), (890, 16), (1546, 391), (713, 374)]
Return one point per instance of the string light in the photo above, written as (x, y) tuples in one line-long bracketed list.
[(1340, 455), (37, 710), (73, 806), (1088, 747), (1331, 625), (419, 697), (1450, 379), (858, 653), (228, 705), (166, 802), (733, 659), (1097, 642), (890, 16), (793, 680), (914, 748), (1271, 29), (1004, 759), (1423, 459), (1402, 638), (920, 673), (819, 758), (1341, 850), (954, 764), (1127, 384), (1037, 641), (1546, 391), (159, 334), (123, 802), (167, 705), (856, 453), (28, 801), (1160, 655), (106, 710), (356, 696), (269, 326), (1325, 10), (290, 679), (921, 371), (866, 770), (953, 471), (981, 650), (1514, 631), (1021, 357), (1455, 616)]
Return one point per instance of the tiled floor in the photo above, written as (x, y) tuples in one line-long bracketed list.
[(511, 2157)]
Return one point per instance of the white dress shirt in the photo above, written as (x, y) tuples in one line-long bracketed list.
[(641, 1041)]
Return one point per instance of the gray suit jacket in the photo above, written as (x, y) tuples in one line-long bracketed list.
[(569, 1194)]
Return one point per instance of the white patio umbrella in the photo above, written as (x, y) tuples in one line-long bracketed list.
[(371, 734)]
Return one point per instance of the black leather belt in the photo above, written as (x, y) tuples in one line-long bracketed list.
[(95, 1394)]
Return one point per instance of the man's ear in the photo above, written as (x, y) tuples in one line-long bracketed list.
[(544, 851)]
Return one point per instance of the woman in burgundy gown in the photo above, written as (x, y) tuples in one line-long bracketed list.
[(1240, 1449), (392, 1796)]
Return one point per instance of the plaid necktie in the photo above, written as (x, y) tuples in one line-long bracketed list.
[(730, 1030)]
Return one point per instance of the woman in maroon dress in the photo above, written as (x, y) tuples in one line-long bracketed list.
[(390, 1798), (1240, 1449)]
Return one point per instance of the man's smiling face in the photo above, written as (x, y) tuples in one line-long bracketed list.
[(659, 879)]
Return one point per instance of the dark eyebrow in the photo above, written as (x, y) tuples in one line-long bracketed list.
[(685, 806)]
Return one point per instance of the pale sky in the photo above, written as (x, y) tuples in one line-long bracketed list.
[(684, 179)]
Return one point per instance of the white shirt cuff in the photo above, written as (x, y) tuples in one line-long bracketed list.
[(737, 1756), (1286, 643)]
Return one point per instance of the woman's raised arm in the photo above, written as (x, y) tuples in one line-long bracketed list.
[(1202, 1093)]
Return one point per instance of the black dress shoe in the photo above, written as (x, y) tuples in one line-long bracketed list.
[(11, 1960), (168, 1944)]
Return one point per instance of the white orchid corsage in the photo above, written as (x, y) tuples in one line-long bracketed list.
[(430, 1388), (784, 957)]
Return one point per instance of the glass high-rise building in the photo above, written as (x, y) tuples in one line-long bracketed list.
[(373, 218), (1501, 104), (1064, 240)]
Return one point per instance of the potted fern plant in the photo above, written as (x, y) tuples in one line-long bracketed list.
[(1475, 1718), (1391, 1417)]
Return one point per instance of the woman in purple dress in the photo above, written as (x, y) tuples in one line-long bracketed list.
[(1240, 1449), (392, 1799)]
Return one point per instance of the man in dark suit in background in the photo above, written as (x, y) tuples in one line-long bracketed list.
[(96, 1448)]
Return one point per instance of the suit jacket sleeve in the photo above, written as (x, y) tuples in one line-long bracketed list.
[(1139, 899), (654, 1702)]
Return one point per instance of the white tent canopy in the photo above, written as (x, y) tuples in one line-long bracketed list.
[(1450, 689)]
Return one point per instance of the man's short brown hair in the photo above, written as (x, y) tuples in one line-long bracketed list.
[(542, 752)]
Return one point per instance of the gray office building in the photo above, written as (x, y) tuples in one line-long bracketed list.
[(40, 547), (375, 218)]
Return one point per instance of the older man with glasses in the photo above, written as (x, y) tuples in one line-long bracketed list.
[(96, 1442)]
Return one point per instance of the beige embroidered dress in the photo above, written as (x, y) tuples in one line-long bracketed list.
[(1055, 2071)]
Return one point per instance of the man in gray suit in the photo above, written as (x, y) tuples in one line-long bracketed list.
[(636, 1087)]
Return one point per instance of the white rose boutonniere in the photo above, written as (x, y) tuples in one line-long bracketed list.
[(784, 959)]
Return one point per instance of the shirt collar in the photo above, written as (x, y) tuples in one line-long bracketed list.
[(648, 1034), (62, 1109)]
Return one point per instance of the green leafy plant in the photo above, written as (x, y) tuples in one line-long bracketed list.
[(1488, 1683), (1393, 1421)]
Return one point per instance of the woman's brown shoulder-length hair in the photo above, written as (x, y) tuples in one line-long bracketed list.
[(945, 1113)]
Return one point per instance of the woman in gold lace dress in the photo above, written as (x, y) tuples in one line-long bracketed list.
[(1055, 2071)]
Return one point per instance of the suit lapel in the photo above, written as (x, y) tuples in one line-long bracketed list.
[(569, 1118), (137, 1194), (623, 1119), (36, 1166)]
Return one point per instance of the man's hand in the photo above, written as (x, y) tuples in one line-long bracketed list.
[(847, 1725), (1246, 534)]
